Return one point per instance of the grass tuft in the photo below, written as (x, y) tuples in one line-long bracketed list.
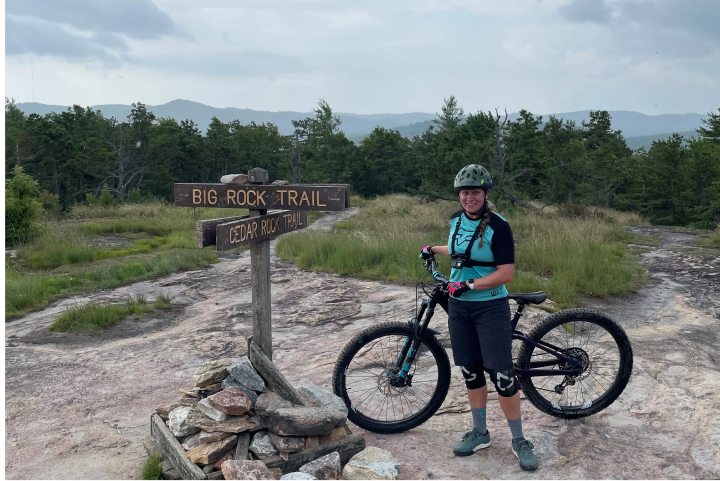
[(93, 316), (151, 469)]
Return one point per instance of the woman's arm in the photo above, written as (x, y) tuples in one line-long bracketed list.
[(441, 251), (502, 275)]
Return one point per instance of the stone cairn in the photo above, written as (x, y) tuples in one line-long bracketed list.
[(232, 425)]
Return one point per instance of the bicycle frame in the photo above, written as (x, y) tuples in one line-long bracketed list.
[(440, 296)]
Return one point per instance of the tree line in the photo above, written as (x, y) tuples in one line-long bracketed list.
[(76, 154)]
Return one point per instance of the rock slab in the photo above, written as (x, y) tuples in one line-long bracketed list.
[(262, 446), (192, 441), (205, 407), (178, 422), (302, 421), (287, 444), (372, 463), (297, 475), (211, 372), (206, 437), (244, 373), (209, 453), (326, 467), (233, 424), (230, 382), (324, 397), (231, 401), (270, 401), (236, 469)]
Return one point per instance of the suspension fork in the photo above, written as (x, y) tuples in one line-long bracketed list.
[(407, 354)]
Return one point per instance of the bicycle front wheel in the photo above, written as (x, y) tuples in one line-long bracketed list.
[(361, 378), (590, 337)]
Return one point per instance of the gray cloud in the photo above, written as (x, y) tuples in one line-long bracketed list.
[(140, 19), (42, 38), (697, 17), (235, 64), (586, 11)]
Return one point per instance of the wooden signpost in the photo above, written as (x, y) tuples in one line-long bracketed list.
[(259, 226)]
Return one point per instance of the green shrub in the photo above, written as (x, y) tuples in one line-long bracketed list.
[(134, 196), (151, 469), (91, 200), (22, 208), (106, 199), (50, 204)]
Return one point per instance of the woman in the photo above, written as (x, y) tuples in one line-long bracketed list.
[(483, 259)]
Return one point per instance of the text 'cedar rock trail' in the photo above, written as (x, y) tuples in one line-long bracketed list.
[(292, 197), (256, 229)]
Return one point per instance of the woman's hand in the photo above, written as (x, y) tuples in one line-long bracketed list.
[(426, 253), (456, 289)]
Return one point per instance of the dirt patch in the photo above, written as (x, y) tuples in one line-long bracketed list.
[(78, 406)]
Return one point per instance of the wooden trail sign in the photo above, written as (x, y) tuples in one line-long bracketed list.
[(252, 191), (263, 197), (254, 229)]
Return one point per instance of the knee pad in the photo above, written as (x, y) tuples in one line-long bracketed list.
[(474, 375), (504, 381)]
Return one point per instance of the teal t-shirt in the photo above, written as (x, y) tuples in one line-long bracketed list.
[(498, 247)]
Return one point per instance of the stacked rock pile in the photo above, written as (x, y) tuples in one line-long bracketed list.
[(232, 426)]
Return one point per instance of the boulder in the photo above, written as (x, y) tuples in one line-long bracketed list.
[(244, 373), (205, 407), (261, 445), (269, 401), (211, 372), (337, 434), (168, 470), (206, 437), (209, 453), (179, 425), (326, 467), (238, 469), (302, 421), (324, 397), (231, 401), (233, 424), (164, 409), (372, 463), (311, 442), (192, 441), (288, 444), (297, 475), (230, 382)]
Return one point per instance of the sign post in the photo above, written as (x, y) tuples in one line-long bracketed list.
[(258, 227)]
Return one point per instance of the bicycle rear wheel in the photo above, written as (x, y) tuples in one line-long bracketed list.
[(591, 337), (361, 379)]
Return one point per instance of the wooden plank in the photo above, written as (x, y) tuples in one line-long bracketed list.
[(205, 229), (255, 229), (346, 448), (347, 193), (243, 445), (276, 381), (249, 196), (173, 450)]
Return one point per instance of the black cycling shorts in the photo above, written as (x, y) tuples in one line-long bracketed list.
[(481, 331)]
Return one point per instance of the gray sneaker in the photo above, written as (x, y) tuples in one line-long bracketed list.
[(471, 442), (523, 450)]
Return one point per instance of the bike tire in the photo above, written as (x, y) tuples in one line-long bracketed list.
[(620, 381), (363, 339)]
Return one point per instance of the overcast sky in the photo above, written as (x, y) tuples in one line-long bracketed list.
[(369, 56)]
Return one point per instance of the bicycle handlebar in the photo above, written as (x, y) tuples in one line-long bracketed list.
[(431, 265)]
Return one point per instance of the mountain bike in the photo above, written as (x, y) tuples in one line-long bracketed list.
[(394, 376)]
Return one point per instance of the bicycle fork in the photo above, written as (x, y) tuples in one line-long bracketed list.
[(400, 375)]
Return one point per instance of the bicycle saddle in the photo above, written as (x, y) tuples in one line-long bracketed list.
[(532, 298)]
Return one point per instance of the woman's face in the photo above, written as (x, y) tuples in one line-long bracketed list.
[(472, 199)]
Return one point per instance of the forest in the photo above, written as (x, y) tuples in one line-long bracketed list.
[(77, 154)]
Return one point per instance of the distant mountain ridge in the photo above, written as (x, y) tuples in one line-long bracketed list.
[(352, 124), (358, 126)]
